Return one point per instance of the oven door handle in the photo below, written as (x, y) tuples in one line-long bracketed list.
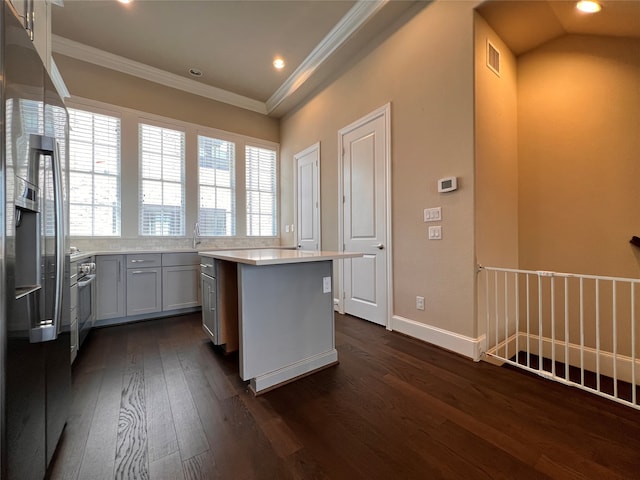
[(86, 280)]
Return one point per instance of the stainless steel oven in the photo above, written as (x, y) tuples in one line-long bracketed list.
[(86, 299)]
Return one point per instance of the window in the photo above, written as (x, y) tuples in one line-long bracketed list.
[(261, 191), (94, 174), (216, 176), (162, 160)]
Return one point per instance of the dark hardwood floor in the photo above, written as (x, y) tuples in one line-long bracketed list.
[(155, 400)]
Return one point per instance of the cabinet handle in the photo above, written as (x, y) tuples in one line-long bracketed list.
[(140, 261), (137, 272)]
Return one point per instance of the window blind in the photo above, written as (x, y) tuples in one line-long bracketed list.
[(162, 164), (216, 187), (261, 184), (94, 177)]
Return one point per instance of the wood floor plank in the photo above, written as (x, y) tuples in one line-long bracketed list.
[(160, 425), (99, 453), (191, 438), (86, 388), (167, 468), (132, 460), (201, 467)]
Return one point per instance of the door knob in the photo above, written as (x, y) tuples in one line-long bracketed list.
[(380, 246)]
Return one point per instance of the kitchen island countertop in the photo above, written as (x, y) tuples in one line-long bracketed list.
[(273, 256)]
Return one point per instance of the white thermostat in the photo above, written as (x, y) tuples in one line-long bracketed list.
[(447, 184)]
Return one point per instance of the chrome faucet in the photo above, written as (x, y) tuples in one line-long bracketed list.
[(196, 235)]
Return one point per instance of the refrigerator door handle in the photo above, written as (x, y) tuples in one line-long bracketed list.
[(59, 207), (49, 329)]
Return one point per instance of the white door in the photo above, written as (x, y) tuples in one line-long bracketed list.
[(365, 163), (308, 198)]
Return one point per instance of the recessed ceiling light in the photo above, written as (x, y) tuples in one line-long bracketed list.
[(278, 63), (588, 6), (194, 72), (124, 1)]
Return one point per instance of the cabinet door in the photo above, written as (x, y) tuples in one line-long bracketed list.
[(209, 307), (110, 286), (144, 290), (180, 287)]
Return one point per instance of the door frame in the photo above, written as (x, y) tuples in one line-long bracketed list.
[(385, 112), (296, 157)]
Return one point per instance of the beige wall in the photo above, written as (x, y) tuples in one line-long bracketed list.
[(496, 170), (108, 86), (579, 151), (425, 70)]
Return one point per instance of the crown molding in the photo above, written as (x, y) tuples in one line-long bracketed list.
[(76, 50), (355, 18), (360, 14)]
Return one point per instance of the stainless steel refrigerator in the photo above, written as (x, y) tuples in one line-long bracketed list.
[(34, 261)]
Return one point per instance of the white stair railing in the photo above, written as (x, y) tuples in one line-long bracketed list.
[(576, 329)]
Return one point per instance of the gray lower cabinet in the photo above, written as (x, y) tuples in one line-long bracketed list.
[(180, 280), (144, 283), (144, 290), (110, 284), (180, 287)]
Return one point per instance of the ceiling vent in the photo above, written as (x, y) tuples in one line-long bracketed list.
[(493, 58)]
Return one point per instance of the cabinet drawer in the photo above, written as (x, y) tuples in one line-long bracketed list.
[(144, 260), (182, 258), (207, 266)]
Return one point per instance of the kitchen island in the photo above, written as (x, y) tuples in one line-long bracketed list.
[(284, 311)]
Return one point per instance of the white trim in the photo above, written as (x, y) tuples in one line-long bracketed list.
[(76, 50), (58, 81), (312, 148), (360, 13), (384, 111), (461, 344), (623, 364)]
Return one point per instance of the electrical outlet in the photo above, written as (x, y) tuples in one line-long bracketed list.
[(420, 303), (286, 228)]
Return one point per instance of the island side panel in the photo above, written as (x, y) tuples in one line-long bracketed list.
[(227, 282), (286, 318)]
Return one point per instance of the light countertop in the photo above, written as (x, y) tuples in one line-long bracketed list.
[(272, 256)]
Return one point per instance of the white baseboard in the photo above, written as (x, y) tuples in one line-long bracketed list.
[(463, 345), (623, 364)]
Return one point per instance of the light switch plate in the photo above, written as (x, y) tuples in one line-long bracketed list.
[(326, 284), (435, 233), (433, 214)]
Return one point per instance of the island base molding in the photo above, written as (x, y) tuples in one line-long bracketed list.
[(290, 373)]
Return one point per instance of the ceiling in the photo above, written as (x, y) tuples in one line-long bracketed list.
[(526, 24), (234, 42)]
